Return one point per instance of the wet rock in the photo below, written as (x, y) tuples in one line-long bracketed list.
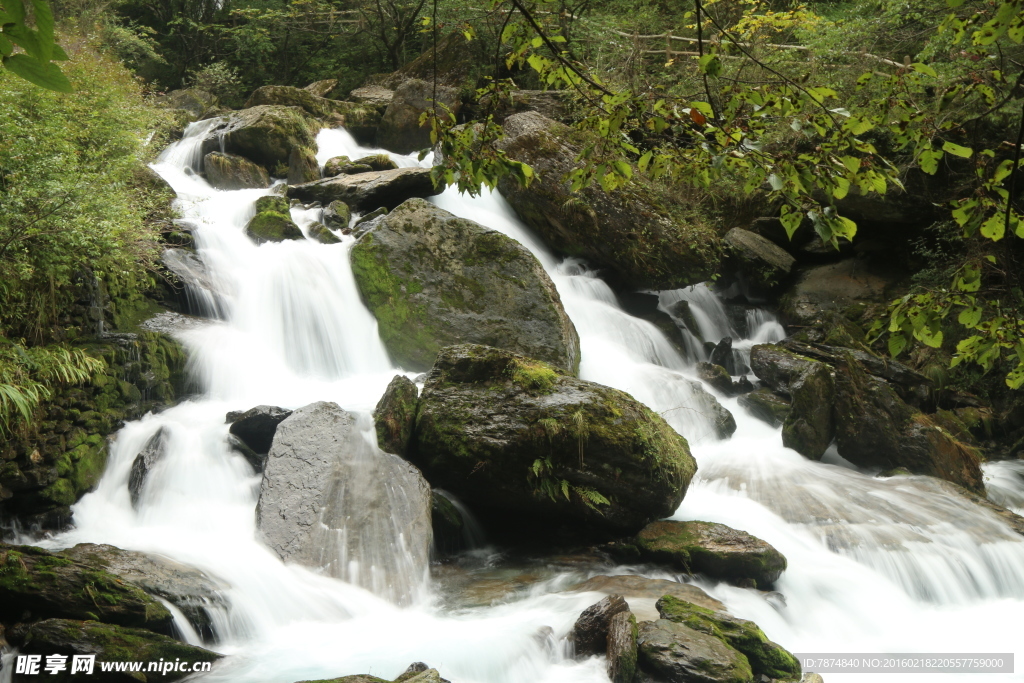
[(232, 172), (716, 377), (765, 263), (636, 235), (361, 121), (377, 162), (327, 493), (433, 280), (266, 134), (337, 216), (876, 428), (675, 653), (765, 657), (367, 191), (188, 268), (767, 406), (272, 222), (187, 588), (36, 584), (342, 165), (368, 221), (809, 427), (256, 460), (713, 549), (642, 593), (256, 427), (400, 130), (322, 234), (395, 415), (110, 644), (589, 635), (512, 436), (144, 463), (621, 648), (722, 421), (302, 167), (722, 355)]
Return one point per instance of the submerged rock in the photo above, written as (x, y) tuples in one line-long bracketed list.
[(433, 280), (232, 172), (37, 584), (400, 130), (589, 635), (110, 644), (272, 222), (144, 463), (512, 436), (715, 550), (765, 657), (187, 588), (367, 191), (637, 236), (329, 497), (766, 405), (256, 427)]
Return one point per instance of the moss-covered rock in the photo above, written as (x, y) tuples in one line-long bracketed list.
[(809, 427), (622, 650), (265, 134), (232, 172), (400, 129), (272, 222), (344, 166), (766, 405), (675, 653), (110, 644), (395, 415), (337, 216), (517, 438), (766, 658), (876, 428), (45, 585), (715, 550), (322, 234), (302, 166), (764, 263), (368, 191), (360, 120), (434, 280), (636, 233)]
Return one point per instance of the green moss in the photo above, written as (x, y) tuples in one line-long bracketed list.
[(271, 226), (533, 376), (61, 492)]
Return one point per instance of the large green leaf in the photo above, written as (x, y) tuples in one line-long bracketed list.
[(44, 74)]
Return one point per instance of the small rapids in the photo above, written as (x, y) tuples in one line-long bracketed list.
[(875, 565)]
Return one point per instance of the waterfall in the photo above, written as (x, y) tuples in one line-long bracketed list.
[(875, 564)]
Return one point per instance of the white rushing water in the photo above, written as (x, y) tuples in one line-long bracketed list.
[(874, 565)]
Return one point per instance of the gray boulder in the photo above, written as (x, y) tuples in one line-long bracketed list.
[(589, 635), (322, 88), (675, 653), (400, 130), (232, 172), (329, 497), (764, 262), (187, 588), (639, 236), (368, 191), (372, 95), (144, 463), (434, 280), (513, 436), (337, 216), (835, 286), (267, 135)]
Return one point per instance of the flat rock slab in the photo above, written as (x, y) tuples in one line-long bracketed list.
[(368, 191)]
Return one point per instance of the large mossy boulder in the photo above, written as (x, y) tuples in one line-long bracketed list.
[(272, 222), (875, 428), (267, 135), (187, 588), (232, 172), (400, 129), (516, 438), (637, 234), (433, 279), (808, 428), (360, 120), (37, 584), (715, 550), (368, 191), (765, 657), (676, 653), (110, 644)]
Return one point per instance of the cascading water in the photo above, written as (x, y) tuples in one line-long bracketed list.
[(874, 565)]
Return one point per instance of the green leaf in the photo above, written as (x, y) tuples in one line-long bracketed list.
[(623, 169), (6, 47), (929, 160), (841, 189), (953, 4), (44, 74), (897, 342), (790, 219), (970, 317), (923, 69), (994, 228), (1015, 379), (710, 64), (644, 161), (851, 163), (959, 151)]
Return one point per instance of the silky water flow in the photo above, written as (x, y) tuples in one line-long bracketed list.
[(875, 565)]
